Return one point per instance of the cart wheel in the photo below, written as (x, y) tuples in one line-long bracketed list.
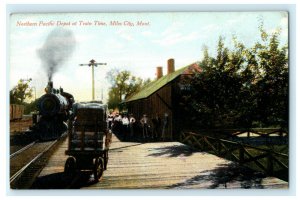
[(70, 166), (98, 168)]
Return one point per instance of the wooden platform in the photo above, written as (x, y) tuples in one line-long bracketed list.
[(169, 165)]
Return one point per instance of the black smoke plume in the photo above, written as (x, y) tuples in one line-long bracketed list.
[(57, 48)]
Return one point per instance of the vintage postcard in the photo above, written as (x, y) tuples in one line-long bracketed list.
[(157, 100)]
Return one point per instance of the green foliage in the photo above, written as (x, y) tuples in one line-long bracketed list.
[(30, 107), (241, 87), (272, 84), (20, 92), (123, 84)]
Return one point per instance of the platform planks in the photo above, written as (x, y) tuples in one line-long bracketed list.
[(169, 165)]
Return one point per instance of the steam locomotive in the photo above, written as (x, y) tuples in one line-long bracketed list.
[(54, 109)]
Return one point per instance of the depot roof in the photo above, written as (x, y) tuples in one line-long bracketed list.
[(152, 87)]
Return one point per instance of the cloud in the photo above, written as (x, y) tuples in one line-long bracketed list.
[(173, 35), (25, 35), (176, 38), (125, 34), (113, 44), (284, 22), (282, 28), (83, 38), (175, 27), (232, 22), (210, 28), (147, 33)]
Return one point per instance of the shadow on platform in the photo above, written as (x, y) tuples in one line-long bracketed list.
[(223, 175), (63, 181), (137, 137), (173, 151)]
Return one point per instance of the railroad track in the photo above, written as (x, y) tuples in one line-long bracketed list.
[(22, 149), (27, 163), (20, 140)]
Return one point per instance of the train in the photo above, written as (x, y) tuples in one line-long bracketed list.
[(54, 110)]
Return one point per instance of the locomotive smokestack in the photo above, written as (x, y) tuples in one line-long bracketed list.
[(49, 88)]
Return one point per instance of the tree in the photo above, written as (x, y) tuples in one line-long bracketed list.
[(271, 84), (241, 87), (30, 107), (215, 91), (20, 92), (123, 84)]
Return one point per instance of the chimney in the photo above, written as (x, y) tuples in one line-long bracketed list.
[(159, 72), (171, 67)]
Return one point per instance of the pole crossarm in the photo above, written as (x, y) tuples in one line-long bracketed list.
[(95, 64), (92, 63)]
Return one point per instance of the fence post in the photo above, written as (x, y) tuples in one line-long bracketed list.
[(198, 143), (270, 165), (219, 147), (204, 143), (241, 155), (181, 136)]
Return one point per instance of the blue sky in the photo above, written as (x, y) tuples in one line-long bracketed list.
[(139, 49)]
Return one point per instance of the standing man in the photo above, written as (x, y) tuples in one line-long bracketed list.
[(125, 126), (156, 121), (117, 123), (131, 125), (110, 120), (165, 126), (145, 125)]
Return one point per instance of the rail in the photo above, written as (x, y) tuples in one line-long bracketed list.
[(21, 150), (228, 133), (19, 173), (24, 177)]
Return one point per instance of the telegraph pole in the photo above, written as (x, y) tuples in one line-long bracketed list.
[(92, 64), (34, 92)]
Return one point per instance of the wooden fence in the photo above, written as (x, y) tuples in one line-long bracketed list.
[(270, 162), (261, 136)]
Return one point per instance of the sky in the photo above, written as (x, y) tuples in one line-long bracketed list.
[(139, 43)]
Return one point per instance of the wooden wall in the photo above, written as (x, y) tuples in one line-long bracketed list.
[(16, 111), (165, 100), (159, 103)]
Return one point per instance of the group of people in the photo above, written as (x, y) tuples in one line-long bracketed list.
[(146, 129)]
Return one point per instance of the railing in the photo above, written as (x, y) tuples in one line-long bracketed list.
[(263, 132), (267, 160), (261, 136)]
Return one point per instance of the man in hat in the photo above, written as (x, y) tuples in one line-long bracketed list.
[(131, 125), (125, 127), (156, 121), (145, 125), (165, 126)]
